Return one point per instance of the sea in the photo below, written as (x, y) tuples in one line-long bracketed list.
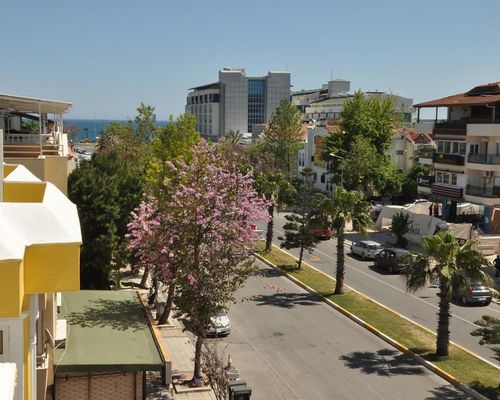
[(91, 128)]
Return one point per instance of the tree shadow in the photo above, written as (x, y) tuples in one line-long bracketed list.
[(287, 300), (268, 273), (385, 362), (447, 392), (120, 315)]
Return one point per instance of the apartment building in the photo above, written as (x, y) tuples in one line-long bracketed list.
[(237, 102), (325, 105), (39, 256), (467, 160), (33, 136)]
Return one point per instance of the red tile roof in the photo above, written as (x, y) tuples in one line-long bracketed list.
[(479, 95)]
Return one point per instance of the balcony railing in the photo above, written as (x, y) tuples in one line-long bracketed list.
[(449, 159), (426, 181), (448, 191), (483, 191), (484, 159)]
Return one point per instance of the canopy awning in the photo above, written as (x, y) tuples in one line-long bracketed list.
[(33, 105)]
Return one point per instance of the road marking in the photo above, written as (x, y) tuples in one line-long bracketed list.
[(394, 287)]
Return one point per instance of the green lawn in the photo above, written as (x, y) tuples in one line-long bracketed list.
[(463, 366)]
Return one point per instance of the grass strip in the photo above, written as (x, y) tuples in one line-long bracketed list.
[(466, 368)]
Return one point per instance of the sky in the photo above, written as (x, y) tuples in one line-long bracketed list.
[(108, 56)]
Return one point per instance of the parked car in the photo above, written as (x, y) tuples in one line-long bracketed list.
[(366, 249), (322, 233), (392, 259), (474, 293), (219, 324)]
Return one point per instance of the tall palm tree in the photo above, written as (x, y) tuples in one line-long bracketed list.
[(233, 137), (278, 191), (443, 257), (340, 209)]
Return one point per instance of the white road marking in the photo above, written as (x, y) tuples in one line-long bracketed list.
[(394, 287)]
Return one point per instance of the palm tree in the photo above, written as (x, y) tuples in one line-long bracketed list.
[(340, 209), (443, 257), (278, 191), (233, 137)]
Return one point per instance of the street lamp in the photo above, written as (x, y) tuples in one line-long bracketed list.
[(341, 167)]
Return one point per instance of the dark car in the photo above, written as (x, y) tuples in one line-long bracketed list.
[(474, 293), (392, 259)]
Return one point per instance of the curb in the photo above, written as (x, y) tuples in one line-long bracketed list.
[(431, 367)]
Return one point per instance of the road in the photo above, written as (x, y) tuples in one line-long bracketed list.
[(389, 290), (289, 345)]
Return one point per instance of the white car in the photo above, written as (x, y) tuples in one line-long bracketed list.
[(366, 249), (219, 324)]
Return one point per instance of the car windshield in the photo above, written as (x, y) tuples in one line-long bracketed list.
[(375, 247)]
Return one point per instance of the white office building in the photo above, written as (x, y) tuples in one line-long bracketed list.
[(237, 102)]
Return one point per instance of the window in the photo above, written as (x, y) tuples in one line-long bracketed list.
[(474, 149), (446, 178), (451, 147), (323, 178), (447, 147), (315, 176), (301, 158), (462, 148), (440, 146), (455, 147)]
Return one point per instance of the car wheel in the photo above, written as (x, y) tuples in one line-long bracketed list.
[(463, 300), (487, 303)]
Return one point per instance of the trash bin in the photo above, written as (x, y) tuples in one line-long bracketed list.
[(238, 390)]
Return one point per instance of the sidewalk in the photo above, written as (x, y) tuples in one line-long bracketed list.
[(181, 352)]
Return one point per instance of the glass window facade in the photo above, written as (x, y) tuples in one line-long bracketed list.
[(256, 102)]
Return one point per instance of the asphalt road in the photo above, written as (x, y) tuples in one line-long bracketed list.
[(289, 345), (388, 289)]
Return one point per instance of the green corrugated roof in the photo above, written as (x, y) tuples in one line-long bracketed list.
[(107, 331)]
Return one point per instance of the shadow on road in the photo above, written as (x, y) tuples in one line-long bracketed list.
[(385, 362), (447, 393), (268, 273), (287, 300)]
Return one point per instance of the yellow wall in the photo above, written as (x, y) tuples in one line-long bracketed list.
[(11, 295), (8, 168), (23, 192), (52, 268), (53, 169)]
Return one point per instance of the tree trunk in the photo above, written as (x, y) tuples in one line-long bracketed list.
[(339, 275), (168, 306), (145, 276), (443, 331), (300, 256), (270, 226), (154, 291), (197, 357)]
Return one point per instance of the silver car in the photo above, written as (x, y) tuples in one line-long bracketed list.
[(219, 324), (366, 249)]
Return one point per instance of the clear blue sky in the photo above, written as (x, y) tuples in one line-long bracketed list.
[(107, 56)]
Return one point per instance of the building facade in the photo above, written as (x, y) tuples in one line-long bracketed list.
[(325, 105), (467, 160), (237, 102)]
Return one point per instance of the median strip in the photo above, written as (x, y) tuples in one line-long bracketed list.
[(461, 368)]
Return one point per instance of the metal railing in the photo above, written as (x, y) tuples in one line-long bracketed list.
[(483, 191), (484, 159)]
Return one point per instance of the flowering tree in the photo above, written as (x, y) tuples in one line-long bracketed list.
[(205, 234)]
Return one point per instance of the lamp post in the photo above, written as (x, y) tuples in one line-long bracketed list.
[(341, 167)]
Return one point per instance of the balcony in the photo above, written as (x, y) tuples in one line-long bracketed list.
[(454, 128), (449, 159), (492, 159), (483, 191), (446, 191)]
